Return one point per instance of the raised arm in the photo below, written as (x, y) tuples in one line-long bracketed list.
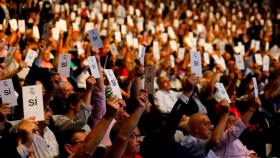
[(137, 82), (219, 129), (120, 142), (10, 74), (249, 113), (90, 81), (97, 133), (98, 97), (177, 112)]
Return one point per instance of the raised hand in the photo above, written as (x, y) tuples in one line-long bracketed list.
[(5, 109), (112, 107), (22, 65), (143, 101), (256, 103), (190, 83), (28, 127), (90, 82), (224, 104)]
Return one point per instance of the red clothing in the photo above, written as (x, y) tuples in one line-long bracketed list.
[(137, 156)]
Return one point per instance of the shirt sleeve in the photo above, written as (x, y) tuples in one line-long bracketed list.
[(233, 132), (22, 150), (99, 102), (162, 103)]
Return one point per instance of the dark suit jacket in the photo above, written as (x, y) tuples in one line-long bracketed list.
[(162, 143)]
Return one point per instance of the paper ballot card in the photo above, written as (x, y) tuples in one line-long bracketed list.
[(114, 49), (196, 63), (258, 58), (95, 39), (21, 26), (10, 55), (118, 36), (149, 79), (80, 48), (239, 61), (30, 57), (142, 50), (266, 63), (93, 66), (256, 91), (62, 25), (13, 24), (206, 58), (7, 92), (242, 49), (36, 32), (113, 82), (123, 29), (64, 65), (172, 61), (33, 102), (257, 45), (156, 53), (253, 43), (55, 33), (266, 46), (223, 92), (129, 39), (173, 45), (135, 43), (181, 53)]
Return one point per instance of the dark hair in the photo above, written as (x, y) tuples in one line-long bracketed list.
[(67, 138), (73, 99), (114, 130)]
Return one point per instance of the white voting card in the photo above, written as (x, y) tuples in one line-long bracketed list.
[(266, 63), (13, 24), (93, 66), (36, 32), (258, 58), (30, 57), (114, 49), (239, 61), (206, 58), (21, 26), (55, 33), (64, 65), (142, 50), (95, 39), (7, 92), (113, 82), (181, 53), (33, 102), (156, 50), (196, 63), (256, 91), (223, 92)]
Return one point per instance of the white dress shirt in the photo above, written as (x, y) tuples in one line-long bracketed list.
[(166, 100)]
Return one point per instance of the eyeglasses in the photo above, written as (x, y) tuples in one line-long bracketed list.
[(134, 136), (78, 142)]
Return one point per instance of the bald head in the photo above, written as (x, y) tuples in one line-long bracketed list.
[(200, 126)]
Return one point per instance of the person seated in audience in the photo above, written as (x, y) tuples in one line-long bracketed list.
[(125, 136), (230, 145), (76, 143), (36, 139)]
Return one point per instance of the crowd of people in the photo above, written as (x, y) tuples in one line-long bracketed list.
[(180, 115)]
